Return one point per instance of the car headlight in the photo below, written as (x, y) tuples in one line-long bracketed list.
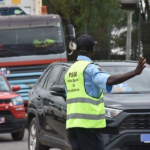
[(112, 113), (17, 100)]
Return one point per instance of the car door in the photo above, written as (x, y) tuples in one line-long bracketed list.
[(63, 106), (37, 95), (57, 111), (42, 95), (49, 100)]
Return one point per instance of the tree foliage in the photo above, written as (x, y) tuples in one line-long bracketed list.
[(95, 17), (95, 13)]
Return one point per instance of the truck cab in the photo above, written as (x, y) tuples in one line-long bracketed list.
[(28, 44)]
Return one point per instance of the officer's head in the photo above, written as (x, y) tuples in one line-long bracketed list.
[(85, 45)]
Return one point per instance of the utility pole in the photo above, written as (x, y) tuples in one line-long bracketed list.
[(129, 32), (129, 5), (139, 36), (109, 40)]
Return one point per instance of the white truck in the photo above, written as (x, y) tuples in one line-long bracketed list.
[(32, 7)]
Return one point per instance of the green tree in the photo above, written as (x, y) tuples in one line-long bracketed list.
[(95, 17)]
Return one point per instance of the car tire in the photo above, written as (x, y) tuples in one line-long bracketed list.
[(33, 137), (18, 136)]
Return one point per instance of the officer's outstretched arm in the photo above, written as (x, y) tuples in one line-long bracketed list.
[(116, 79)]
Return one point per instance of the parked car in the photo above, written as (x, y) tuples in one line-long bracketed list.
[(12, 112), (127, 110)]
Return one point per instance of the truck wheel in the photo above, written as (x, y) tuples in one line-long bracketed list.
[(18, 136), (33, 137)]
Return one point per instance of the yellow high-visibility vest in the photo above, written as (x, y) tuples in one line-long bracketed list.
[(83, 110)]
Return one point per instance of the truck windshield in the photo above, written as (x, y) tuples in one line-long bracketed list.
[(3, 85), (31, 41)]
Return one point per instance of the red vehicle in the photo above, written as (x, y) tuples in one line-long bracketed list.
[(12, 111)]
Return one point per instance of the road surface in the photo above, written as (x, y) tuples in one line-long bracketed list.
[(6, 142)]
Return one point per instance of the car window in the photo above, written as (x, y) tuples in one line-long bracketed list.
[(62, 80), (47, 78), (53, 77), (3, 85), (42, 80)]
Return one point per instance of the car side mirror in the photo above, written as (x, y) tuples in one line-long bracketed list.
[(58, 90), (16, 88), (70, 31)]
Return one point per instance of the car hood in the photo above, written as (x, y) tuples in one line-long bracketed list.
[(7, 95), (127, 101)]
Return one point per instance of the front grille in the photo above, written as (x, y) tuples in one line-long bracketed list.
[(135, 122), (6, 101), (5, 126), (5, 113), (139, 147)]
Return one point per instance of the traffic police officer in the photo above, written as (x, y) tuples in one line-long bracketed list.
[(85, 83)]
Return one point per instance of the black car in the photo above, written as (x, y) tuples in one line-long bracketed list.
[(127, 110)]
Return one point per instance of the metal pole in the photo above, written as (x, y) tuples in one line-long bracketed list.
[(109, 38), (129, 31), (139, 36)]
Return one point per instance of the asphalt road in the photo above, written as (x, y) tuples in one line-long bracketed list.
[(6, 142)]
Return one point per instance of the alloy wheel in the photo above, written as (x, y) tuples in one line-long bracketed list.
[(33, 137)]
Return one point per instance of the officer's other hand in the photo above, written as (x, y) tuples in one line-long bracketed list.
[(141, 65)]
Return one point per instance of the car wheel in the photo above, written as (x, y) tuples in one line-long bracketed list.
[(18, 136), (33, 137)]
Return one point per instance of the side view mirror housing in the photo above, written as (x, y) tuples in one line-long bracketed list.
[(70, 31), (58, 91), (16, 88)]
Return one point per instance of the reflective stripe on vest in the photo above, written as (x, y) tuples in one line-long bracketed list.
[(84, 100), (82, 109)]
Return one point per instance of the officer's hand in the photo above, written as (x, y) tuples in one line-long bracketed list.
[(141, 65)]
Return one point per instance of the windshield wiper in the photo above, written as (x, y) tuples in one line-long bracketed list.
[(2, 52), (4, 91), (42, 50), (45, 52)]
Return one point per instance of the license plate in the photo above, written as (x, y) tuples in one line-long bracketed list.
[(145, 138), (2, 120)]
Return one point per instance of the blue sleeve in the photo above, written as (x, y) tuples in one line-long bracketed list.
[(98, 77)]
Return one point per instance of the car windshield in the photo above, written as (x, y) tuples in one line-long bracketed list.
[(3, 85), (31, 41), (139, 83)]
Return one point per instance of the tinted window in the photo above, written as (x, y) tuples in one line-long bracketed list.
[(62, 78), (53, 77), (42, 80), (47, 78)]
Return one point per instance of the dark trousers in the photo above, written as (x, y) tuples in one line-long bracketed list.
[(85, 139)]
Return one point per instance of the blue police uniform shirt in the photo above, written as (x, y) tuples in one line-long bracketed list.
[(99, 79)]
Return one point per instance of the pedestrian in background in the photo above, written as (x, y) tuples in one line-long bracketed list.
[(85, 82)]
